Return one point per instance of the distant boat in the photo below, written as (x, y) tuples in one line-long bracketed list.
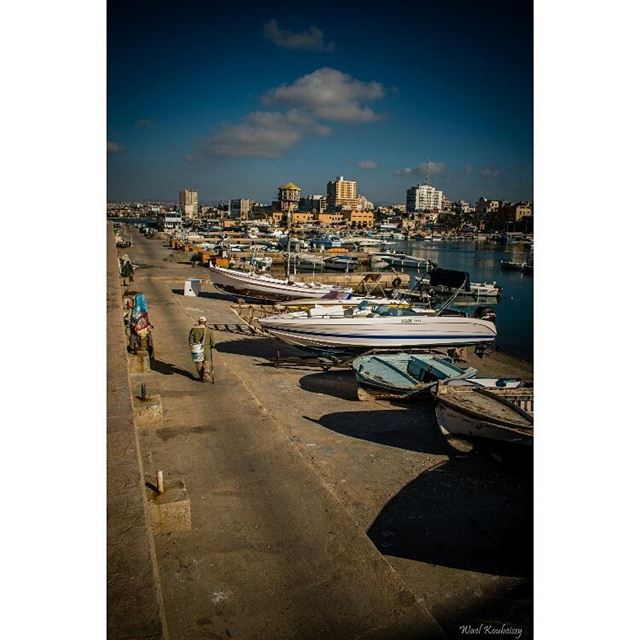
[(523, 267), (341, 263), (404, 374), (403, 260), (500, 410)]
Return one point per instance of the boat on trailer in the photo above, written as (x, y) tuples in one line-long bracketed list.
[(269, 286), (404, 374), (492, 409), (383, 327)]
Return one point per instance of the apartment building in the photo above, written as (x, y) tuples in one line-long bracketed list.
[(342, 194)]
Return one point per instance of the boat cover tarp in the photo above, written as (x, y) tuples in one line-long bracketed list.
[(449, 278)]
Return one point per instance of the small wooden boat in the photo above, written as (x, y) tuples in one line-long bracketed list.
[(404, 374), (494, 409)]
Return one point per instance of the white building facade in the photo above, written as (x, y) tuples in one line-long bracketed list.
[(424, 197)]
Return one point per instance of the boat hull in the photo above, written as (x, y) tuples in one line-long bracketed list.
[(228, 279), (379, 332), (457, 423)]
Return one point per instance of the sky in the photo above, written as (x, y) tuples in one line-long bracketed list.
[(234, 98)]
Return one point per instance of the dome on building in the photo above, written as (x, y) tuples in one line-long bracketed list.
[(290, 185)]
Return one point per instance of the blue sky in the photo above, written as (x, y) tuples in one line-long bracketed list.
[(234, 98)]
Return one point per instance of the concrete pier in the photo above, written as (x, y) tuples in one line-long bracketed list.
[(315, 515)]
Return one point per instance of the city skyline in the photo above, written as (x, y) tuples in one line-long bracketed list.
[(236, 106)]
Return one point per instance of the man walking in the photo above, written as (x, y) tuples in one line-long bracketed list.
[(201, 342)]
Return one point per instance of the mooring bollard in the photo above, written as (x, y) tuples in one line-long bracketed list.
[(159, 481)]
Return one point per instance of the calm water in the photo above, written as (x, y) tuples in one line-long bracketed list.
[(482, 261)]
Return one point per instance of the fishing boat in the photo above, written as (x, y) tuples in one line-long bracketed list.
[(341, 263), (383, 327), (496, 410), (404, 374), (268, 286), (404, 260)]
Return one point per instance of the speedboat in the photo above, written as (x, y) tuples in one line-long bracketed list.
[(494, 409), (269, 286), (403, 260), (383, 327), (404, 374)]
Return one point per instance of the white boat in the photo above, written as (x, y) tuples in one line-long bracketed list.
[(269, 286), (341, 263), (486, 408), (383, 327), (307, 262), (403, 260)]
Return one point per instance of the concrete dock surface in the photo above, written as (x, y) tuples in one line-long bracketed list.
[(315, 515)]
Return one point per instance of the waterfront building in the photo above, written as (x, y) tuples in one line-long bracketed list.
[(188, 200), (486, 205), (288, 197), (358, 218), (424, 197), (342, 194), (460, 206), (301, 217), (329, 218), (169, 220), (522, 210)]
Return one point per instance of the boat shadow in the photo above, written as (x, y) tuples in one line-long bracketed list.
[(414, 428), (465, 514), (339, 383), (223, 295)]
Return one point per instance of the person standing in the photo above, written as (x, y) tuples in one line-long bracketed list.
[(201, 335)]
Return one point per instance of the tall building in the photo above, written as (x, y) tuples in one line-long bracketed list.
[(241, 208), (342, 194), (424, 197), (288, 197), (189, 203)]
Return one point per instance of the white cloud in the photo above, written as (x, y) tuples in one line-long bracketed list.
[(312, 39), (367, 164), (329, 94), (434, 168), (114, 147), (266, 134)]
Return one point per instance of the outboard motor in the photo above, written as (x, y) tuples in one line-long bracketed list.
[(485, 313)]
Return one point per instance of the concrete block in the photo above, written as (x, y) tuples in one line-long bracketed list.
[(192, 287), (148, 412), (139, 363), (170, 512)]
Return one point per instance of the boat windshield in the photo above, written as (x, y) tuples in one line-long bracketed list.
[(386, 310)]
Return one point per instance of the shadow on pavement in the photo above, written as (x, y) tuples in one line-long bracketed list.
[(465, 514), (414, 428), (337, 383), (168, 369)]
